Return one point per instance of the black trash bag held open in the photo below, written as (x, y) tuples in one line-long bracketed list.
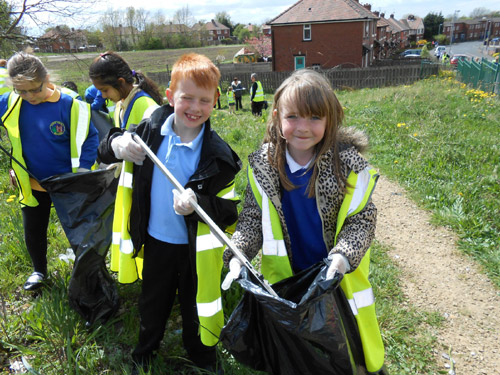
[(85, 203), (309, 329)]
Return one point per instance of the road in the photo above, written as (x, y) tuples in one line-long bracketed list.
[(474, 49)]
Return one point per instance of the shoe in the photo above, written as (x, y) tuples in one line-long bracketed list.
[(34, 282)]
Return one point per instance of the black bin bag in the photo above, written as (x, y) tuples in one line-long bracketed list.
[(84, 203), (309, 329)]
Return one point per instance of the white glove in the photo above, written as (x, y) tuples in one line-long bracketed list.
[(127, 149), (117, 167), (182, 204), (234, 272), (339, 264)]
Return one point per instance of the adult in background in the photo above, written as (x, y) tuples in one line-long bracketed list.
[(51, 134), (256, 95), (238, 92)]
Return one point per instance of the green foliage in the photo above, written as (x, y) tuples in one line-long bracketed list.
[(431, 24), (445, 154)]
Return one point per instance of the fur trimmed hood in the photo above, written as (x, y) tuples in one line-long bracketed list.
[(350, 136)]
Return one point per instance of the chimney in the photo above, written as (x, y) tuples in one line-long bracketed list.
[(382, 15), (376, 13), (368, 6), (392, 15)]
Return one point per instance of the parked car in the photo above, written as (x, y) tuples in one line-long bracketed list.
[(439, 50), (411, 53), (458, 56)]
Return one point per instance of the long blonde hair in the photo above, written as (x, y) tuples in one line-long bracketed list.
[(312, 95)]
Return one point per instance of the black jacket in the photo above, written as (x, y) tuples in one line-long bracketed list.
[(217, 168)]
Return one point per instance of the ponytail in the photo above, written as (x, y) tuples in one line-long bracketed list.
[(108, 67), (149, 86)]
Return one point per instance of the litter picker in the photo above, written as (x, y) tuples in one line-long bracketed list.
[(218, 233)]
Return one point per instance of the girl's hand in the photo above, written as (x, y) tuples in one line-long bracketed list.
[(234, 272), (339, 264)]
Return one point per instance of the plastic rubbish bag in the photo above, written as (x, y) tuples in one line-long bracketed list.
[(84, 203), (309, 329)]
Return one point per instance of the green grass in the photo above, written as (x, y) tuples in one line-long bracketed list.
[(448, 163)]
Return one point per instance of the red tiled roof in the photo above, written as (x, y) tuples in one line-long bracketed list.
[(310, 11)]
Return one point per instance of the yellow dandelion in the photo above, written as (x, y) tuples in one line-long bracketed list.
[(10, 200), (415, 134), (396, 162), (12, 196), (1, 191), (465, 114)]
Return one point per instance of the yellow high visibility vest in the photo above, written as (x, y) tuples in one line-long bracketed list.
[(80, 122), (230, 97), (259, 93), (129, 269), (3, 80), (209, 264), (356, 286)]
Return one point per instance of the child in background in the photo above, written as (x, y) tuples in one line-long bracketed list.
[(180, 254), (136, 97), (297, 209), (70, 88), (231, 100), (43, 127)]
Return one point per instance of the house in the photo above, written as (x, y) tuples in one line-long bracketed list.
[(323, 34), (400, 32), (416, 28), (62, 39), (266, 30), (475, 29), (384, 44), (212, 32)]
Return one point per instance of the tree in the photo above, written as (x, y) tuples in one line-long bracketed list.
[(20, 12), (431, 24), (261, 45), (479, 12), (241, 32), (225, 19)]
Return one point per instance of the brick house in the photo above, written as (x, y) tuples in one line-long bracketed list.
[(62, 39), (416, 27), (212, 32), (323, 34), (476, 29)]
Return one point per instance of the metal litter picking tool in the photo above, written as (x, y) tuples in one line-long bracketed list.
[(217, 232)]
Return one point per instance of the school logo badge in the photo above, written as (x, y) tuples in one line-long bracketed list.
[(57, 128)]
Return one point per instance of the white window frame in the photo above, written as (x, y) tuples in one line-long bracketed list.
[(306, 28)]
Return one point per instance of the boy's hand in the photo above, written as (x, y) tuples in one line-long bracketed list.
[(127, 149), (182, 204)]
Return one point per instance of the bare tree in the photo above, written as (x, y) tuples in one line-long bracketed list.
[(37, 11)]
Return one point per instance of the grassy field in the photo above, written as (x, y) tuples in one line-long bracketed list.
[(437, 138), (77, 68)]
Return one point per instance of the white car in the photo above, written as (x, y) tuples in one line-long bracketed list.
[(439, 50)]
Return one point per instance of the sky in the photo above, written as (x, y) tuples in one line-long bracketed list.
[(259, 11)]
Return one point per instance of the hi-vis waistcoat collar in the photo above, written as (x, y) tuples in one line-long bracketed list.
[(356, 286), (80, 121)]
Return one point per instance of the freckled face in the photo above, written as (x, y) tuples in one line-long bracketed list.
[(192, 104), (301, 133)]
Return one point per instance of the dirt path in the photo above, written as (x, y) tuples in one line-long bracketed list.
[(436, 277)]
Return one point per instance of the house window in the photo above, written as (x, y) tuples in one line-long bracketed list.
[(307, 31), (367, 29)]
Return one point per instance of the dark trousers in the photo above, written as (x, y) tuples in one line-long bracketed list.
[(168, 270), (238, 103), (257, 108), (36, 222)]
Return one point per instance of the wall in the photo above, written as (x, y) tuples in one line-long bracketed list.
[(330, 45)]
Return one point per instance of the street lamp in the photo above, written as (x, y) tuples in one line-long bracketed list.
[(453, 27), (439, 29)]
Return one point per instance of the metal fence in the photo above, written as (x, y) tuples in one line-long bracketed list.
[(483, 75), (353, 78)]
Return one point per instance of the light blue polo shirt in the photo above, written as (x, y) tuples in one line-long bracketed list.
[(181, 159)]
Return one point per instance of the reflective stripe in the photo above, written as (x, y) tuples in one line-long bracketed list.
[(126, 246), (149, 111), (82, 128), (208, 309), (270, 245), (116, 238), (126, 179), (75, 162), (360, 189), (207, 242), (361, 299), (230, 195)]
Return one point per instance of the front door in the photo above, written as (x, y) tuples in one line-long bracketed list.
[(300, 62)]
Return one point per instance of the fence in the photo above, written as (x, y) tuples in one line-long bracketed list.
[(484, 75), (355, 78)]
